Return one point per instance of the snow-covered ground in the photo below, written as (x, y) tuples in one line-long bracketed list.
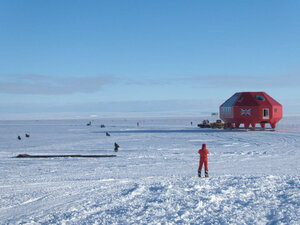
[(254, 176)]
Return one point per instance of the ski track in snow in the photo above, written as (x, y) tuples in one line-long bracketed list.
[(254, 175)]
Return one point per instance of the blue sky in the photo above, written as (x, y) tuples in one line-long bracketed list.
[(96, 57)]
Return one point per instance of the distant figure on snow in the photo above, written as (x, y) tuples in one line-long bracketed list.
[(191, 123), (116, 147), (102, 125), (137, 124), (107, 134), (203, 152), (27, 135), (19, 137), (89, 123)]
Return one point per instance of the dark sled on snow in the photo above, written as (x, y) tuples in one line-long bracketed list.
[(61, 156)]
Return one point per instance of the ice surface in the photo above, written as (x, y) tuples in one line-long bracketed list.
[(254, 176)]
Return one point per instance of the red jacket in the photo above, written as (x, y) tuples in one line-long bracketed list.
[(203, 153)]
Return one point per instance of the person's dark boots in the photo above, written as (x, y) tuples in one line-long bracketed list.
[(206, 173), (199, 173)]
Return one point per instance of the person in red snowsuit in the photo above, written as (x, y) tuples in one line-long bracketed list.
[(203, 152)]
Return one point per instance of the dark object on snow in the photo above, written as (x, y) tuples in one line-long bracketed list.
[(27, 135), (116, 147), (89, 123), (206, 173), (102, 125), (60, 156), (19, 138), (22, 155), (199, 173), (206, 124), (107, 134)]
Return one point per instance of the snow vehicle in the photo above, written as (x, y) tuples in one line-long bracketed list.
[(204, 124), (215, 125)]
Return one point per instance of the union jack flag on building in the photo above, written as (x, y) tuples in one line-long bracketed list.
[(246, 112)]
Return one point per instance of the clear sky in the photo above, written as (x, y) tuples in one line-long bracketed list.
[(73, 57)]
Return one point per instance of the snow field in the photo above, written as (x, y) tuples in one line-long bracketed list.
[(254, 176), (155, 200)]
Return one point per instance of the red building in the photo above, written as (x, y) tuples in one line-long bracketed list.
[(250, 108)]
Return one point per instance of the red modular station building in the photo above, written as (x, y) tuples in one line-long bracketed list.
[(251, 108)]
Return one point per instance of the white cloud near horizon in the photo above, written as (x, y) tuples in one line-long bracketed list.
[(155, 107), (223, 81), (248, 81), (48, 85)]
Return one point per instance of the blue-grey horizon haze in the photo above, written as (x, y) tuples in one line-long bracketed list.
[(67, 59)]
